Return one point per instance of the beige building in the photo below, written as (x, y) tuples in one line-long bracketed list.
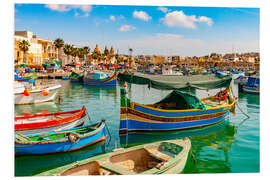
[(39, 49)]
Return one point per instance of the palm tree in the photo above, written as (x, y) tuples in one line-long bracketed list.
[(68, 50), (86, 50), (24, 46), (74, 52), (59, 43)]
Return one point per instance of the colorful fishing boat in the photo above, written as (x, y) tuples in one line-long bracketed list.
[(100, 79), (178, 110), (163, 157), (28, 94), (59, 141), (39, 123), (253, 85), (31, 78)]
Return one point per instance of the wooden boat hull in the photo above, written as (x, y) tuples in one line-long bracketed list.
[(40, 123), (61, 145), (139, 117), (76, 123), (36, 96), (32, 78), (110, 81), (251, 90), (131, 161)]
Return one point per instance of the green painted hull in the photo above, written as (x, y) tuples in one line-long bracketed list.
[(172, 155)]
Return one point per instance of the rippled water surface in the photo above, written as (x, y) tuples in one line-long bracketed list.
[(229, 147)]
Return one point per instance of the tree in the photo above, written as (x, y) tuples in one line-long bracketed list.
[(24, 46), (68, 50), (59, 43), (74, 52)]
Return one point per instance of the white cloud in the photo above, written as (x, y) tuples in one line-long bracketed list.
[(163, 9), (178, 18), (168, 35), (86, 9), (112, 18), (126, 28), (206, 19), (141, 15), (58, 7)]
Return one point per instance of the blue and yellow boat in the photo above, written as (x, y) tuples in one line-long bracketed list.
[(178, 110), (100, 79), (59, 141), (32, 78), (252, 86)]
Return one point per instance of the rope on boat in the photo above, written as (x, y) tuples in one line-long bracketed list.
[(88, 116), (237, 104), (192, 156), (107, 129)]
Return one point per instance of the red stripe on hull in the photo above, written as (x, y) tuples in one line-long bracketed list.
[(54, 122)]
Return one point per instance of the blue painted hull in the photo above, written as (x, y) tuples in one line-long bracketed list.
[(136, 125), (110, 81), (177, 114), (251, 90), (31, 78), (57, 147)]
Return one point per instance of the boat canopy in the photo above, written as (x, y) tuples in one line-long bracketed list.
[(98, 75), (181, 100), (172, 82)]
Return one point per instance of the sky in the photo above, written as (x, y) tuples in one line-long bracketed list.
[(184, 31)]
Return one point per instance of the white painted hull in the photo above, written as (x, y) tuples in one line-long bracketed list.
[(72, 124), (36, 96)]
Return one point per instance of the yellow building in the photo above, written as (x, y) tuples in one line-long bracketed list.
[(39, 49)]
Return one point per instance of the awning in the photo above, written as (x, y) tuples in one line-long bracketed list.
[(172, 82)]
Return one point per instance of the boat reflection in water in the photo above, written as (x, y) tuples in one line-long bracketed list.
[(36, 164), (34, 108), (210, 145)]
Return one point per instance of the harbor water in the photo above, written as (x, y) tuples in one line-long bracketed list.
[(229, 147)]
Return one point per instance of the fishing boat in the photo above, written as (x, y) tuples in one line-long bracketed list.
[(39, 123), (31, 78), (253, 85), (59, 141), (178, 110), (241, 79), (100, 79), (75, 77), (28, 94), (163, 157)]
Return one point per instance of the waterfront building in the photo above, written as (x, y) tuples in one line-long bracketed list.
[(39, 50)]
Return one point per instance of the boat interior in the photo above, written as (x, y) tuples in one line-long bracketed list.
[(144, 160), (182, 105), (91, 168), (56, 136), (42, 118)]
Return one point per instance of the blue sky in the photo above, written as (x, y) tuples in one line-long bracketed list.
[(187, 31)]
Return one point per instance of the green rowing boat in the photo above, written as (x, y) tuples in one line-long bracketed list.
[(163, 157)]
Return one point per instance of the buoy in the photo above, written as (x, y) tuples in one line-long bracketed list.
[(125, 85), (45, 92), (26, 92)]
